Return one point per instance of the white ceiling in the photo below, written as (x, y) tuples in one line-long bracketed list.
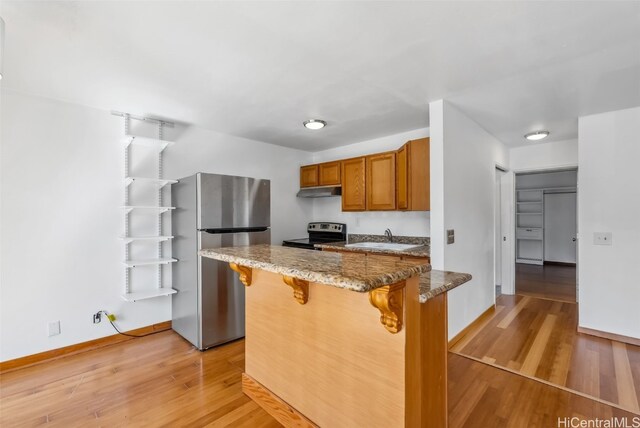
[(258, 69)]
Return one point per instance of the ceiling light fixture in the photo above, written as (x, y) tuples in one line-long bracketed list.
[(314, 124), (537, 135)]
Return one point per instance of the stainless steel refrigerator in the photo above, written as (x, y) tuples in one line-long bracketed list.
[(214, 211)]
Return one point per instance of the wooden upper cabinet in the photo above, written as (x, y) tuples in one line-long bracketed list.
[(381, 181), (353, 185), (309, 176), (413, 184), (402, 178), (330, 173), (397, 180)]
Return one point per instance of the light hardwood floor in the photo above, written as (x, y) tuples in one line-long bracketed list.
[(547, 281), (538, 338), (161, 380)]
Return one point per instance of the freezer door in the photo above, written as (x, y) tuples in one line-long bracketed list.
[(226, 201), (221, 294)]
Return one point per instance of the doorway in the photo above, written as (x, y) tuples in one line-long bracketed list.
[(546, 234)]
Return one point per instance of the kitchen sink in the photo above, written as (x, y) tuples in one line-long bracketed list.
[(382, 246)]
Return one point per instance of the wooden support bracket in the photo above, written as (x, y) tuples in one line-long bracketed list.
[(300, 288), (245, 273), (389, 300)]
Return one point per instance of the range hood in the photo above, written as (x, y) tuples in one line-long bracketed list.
[(319, 192)]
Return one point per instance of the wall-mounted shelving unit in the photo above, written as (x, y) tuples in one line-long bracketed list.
[(530, 226), (155, 147)]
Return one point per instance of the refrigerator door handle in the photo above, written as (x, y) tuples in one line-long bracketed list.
[(234, 230)]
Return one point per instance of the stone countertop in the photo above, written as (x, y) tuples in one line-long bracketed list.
[(351, 271), (436, 282), (421, 251)]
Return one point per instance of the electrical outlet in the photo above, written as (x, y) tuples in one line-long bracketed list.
[(54, 328), (97, 317), (602, 238)]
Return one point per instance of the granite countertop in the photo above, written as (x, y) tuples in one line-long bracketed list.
[(351, 271), (424, 249), (436, 282), (421, 251)]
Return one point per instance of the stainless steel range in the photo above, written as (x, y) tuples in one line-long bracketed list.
[(319, 233)]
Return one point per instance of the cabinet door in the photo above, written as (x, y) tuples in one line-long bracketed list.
[(309, 176), (402, 177), (353, 185), (381, 182), (419, 188), (330, 173)]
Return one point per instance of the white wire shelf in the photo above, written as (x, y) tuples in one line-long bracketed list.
[(153, 143), (160, 182), (129, 239), (142, 295), (149, 208), (148, 262)]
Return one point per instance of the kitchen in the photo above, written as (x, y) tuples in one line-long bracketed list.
[(64, 182)]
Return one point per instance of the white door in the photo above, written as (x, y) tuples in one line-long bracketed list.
[(560, 227), (508, 252)]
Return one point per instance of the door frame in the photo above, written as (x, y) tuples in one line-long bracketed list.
[(507, 225), (560, 168)]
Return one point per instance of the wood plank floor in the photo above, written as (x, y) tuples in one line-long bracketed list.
[(538, 338), (161, 380), (548, 281)]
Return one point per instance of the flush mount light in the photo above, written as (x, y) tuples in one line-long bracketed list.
[(314, 124), (537, 135)]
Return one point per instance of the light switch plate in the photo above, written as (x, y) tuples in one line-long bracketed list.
[(602, 238), (54, 328), (451, 236)]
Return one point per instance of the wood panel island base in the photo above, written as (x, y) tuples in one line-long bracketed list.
[(343, 340)]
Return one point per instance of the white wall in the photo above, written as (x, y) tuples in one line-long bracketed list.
[(415, 223), (463, 200), (609, 201), (61, 186), (559, 154)]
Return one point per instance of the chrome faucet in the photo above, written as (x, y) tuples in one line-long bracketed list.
[(389, 235)]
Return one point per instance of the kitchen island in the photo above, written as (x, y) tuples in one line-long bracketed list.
[(343, 339)]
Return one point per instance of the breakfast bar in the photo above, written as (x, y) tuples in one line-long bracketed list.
[(343, 339)]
